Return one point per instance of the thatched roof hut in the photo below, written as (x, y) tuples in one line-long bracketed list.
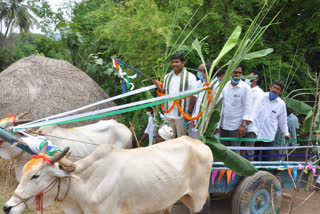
[(43, 86)]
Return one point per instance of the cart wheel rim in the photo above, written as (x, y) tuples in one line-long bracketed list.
[(260, 202)]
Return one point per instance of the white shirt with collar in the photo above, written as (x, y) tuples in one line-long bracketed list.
[(257, 94), (200, 97), (149, 129), (236, 105), (174, 88), (197, 107), (272, 113)]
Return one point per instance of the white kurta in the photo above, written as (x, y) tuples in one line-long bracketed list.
[(174, 88)]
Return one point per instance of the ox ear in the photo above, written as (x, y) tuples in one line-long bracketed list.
[(60, 173)]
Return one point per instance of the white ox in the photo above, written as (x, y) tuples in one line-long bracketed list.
[(117, 181), (81, 140)]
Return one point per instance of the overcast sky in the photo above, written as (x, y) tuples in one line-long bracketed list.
[(55, 4)]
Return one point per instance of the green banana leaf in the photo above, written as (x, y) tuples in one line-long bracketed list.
[(307, 123), (246, 77), (298, 106), (232, 160), (220, 152), (258, 54), (215, 117), (232, 41), (197, 46)]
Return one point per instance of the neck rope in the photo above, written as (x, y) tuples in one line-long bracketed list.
[(39, 196)]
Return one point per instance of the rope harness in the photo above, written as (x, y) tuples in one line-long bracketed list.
[(39, 196), (176, 103), (13, 119)]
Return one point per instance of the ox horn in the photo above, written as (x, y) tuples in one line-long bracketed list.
[(44, 148), (21, 115), (19, 121), (23, 121), (60, 155)]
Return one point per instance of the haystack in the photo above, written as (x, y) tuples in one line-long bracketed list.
[(43, 86)]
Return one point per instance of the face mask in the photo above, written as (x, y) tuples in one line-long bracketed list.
[(219, 81), (273, 96), (199, 75), (185, 122), (235, 81), (248, 82), (148, 113)]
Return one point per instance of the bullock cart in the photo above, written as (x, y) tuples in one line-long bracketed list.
[(261, 192)]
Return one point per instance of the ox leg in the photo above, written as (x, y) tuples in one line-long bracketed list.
[(187, 201), (166, 211), (206, 207)]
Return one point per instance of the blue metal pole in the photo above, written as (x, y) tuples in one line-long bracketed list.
[(13, 139)]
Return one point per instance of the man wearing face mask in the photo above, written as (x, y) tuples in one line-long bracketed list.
[(273, 112), (252, 129), (235, 113), (193, 131), (149, 130)]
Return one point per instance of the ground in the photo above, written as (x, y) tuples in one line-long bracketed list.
[(218, 205)]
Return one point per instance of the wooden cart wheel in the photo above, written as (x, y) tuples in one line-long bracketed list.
[(260, 193)]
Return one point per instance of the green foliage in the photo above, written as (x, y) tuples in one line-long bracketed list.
[(13, 13), (298, 106), (144, 34), (307, 124), (27, 44)]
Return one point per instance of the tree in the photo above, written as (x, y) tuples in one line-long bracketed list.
[(15, 14)]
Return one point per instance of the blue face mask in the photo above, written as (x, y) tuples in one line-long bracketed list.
[(185, 122), (199, 75), (248, 82), (219, 81), (273, 96), (235, 81)]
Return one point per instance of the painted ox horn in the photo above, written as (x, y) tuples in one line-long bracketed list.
[(60, 155), (21, 115), (44, 148), (23, 121), (19, 121)]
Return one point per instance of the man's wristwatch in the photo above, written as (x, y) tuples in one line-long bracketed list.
[(244, 125)]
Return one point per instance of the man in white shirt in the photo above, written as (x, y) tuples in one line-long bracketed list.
[(273, 113), (148, 132), (235, 113), (194, 131), (252, 129), (178, 80)]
